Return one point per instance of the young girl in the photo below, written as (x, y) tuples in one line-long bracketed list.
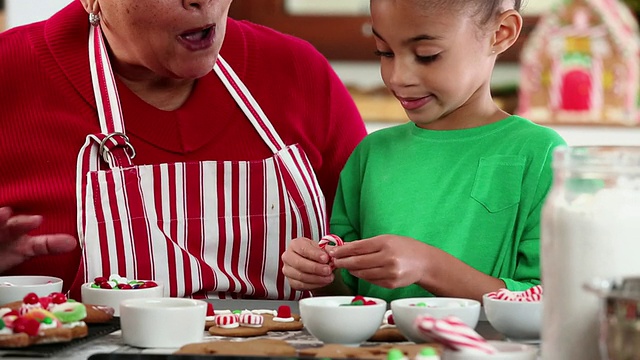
[(449, 203)]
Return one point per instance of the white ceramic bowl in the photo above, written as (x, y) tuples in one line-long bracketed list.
[(162, 322), (349, 325), (506, 351), (113, 297), (405, 312), (14, 288), (516, 320)]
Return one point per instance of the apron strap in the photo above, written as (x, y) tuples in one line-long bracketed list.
[(249, 105), (112, 142)]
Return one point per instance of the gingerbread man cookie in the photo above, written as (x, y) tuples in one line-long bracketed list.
[(388, 331), (249, 323), (42, 320), (259, 347)]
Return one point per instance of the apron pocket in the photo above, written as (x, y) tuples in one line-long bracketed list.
[(498, 182)]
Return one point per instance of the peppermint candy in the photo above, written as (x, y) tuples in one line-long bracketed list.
[(453, 334), (250, 320), (227, 321), (530, 295)]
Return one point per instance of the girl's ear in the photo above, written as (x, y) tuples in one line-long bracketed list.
[(509, 27), (91, 6)]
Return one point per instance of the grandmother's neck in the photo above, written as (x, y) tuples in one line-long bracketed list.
[(162, 92)]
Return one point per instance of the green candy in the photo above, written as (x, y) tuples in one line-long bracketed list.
[(69, 312), (428, 351), (395, 354), (237, 312), (421, 304), (1, 324)]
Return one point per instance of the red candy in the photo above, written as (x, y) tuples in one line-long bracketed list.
[(284, 311), (210, 311), (148, 284), (58, 298), (124, 286), (31, 299), (28, 326), (45, 302), (105, 285), (100, 279), (390, 320)]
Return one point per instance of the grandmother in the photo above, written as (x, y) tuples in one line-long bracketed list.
[(159, 139)]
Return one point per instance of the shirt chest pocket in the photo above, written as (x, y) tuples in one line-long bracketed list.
[(498, 182)]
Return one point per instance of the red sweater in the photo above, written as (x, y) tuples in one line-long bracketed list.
[(47, 108)]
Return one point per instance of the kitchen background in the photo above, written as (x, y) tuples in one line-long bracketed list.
[(339, 28)]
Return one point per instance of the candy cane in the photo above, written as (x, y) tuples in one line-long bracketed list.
[(330, 239), (453, 333)]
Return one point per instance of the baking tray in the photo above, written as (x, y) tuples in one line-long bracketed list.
[(49, 350)]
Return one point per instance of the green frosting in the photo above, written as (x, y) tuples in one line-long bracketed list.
[(428, 351)]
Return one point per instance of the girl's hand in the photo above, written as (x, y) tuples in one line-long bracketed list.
[(388, 261), (16, 246), (306, 265)]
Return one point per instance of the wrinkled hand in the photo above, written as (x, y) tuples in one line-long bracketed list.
[(306, 265), (388, 261), (16, 246)]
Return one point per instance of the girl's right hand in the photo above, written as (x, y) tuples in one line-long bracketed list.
[(16, 246), (306, 265)]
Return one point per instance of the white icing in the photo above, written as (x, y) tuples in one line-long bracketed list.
[(230, 326), (279, 319), (427, 357), (221, 312), (264, 311), (210, 318), (74, 324), (4, 311)]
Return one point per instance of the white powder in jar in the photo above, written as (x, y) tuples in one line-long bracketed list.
[(592, 236)]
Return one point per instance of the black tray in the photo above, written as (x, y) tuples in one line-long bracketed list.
[(48, 350)]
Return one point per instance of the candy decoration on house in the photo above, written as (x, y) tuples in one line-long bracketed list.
[(581, 65)]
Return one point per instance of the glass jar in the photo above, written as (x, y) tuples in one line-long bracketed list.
[(590, 229)]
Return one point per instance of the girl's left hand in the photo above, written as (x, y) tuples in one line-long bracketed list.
[(388, 261)]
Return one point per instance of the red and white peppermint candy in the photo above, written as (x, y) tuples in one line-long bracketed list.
[(227, 321), (330, 239), (453, 334), (251, 320), (530, 295)]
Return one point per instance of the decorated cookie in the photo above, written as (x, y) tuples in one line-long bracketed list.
[(258, 347), (409, 351), (388, 331), (42, 320), (117, 282), (283, 320)]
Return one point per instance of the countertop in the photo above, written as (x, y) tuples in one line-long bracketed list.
[(112, 343)]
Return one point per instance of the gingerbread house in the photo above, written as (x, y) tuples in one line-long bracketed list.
[(581, 65)]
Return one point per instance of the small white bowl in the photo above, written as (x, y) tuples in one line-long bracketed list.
[(350, 325), (516, 320), (14, 288), (113, 297), (162, 322), (506, 351), (405, 312)]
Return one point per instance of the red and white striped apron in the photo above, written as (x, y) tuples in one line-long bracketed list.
[(204, 229)]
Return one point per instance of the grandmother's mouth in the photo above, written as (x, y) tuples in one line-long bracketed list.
[(198, 39)]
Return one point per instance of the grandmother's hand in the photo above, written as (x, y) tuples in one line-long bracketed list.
[(389, 261), (16, 246), (306, 265)]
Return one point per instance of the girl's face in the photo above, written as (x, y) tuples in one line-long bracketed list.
[(434, 61), (178, 39)]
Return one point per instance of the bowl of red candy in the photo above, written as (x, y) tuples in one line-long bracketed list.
[(110, 291)]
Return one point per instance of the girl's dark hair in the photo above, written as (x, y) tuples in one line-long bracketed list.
[(484, 9)]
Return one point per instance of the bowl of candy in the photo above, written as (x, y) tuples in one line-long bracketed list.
[(15, 288), (113, 290), (515, 314), (344, 320), (405, 311)]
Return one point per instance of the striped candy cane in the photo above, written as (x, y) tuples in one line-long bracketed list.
[(330, 239), (453, 334)]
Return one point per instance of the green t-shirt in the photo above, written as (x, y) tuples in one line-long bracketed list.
[(475, 193)]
